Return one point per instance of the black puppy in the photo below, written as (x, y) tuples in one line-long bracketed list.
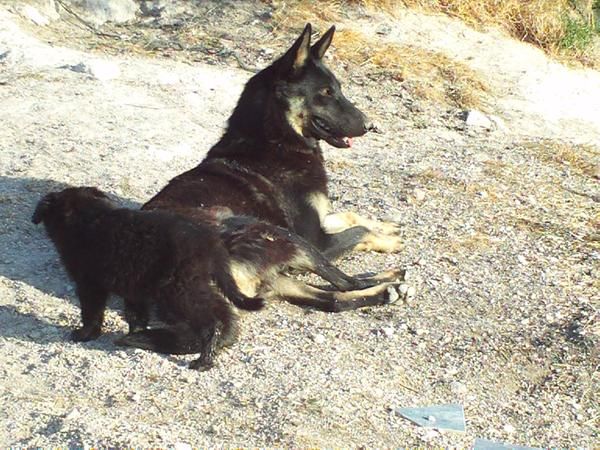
[(156, 261)]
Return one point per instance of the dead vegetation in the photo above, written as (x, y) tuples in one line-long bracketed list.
[(563, 28)]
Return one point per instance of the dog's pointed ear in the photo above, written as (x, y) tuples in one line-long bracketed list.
[(297, 56), (42, 208), (321, 46)]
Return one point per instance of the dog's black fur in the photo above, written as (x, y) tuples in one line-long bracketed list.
[(157, 261), (268, 170), (269, 164), (262, 254)]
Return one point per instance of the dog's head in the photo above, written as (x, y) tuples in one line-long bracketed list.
[(316, 106), (59, 207)]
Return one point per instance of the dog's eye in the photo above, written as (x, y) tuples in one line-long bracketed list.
[(327, 92)]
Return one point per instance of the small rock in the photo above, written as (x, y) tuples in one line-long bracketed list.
[(393, 294), (73, 414), (522, 259), (388, 331), (34, 15), (102, 11), (458, 388), (419, 194), (383, 30), (429, 434), (446, 279), (318, 339), (477, 119), (431, 419), (508, 428), (410, 293), (182, 446), (482, 157), (103, 70)]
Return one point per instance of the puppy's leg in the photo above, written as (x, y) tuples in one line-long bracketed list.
[(93, 303), (137, 314), (299, 293), (178, 339)]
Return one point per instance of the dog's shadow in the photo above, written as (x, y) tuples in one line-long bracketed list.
[(28, 257)]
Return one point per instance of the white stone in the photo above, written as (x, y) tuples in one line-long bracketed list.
[(508, 428), (419, 194), (388, 331), (477, 119), (102, 11), (182, 446), (103, 70), (393, 295), (31, 13), (458, 388), (318, 339)]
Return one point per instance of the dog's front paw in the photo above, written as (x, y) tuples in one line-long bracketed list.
[(85, 334), (388, 228), (379, 242)]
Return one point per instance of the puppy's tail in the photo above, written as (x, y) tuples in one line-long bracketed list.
[(227, 284)]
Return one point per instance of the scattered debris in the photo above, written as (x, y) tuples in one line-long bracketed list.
[(483, 444), (443, 417)]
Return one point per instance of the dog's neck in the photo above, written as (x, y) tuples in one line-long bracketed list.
[(259, 122)]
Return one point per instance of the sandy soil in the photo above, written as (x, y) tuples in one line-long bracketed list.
[(501, 232)]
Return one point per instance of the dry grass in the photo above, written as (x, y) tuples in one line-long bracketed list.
[(581, 159), (563, 28), (439, 78)]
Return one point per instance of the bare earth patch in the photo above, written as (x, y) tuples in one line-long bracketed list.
[(501, 232)]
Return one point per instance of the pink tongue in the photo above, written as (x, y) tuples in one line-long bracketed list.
[(348, 141)]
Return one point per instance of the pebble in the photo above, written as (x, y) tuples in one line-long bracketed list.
[(388, 331), (182, 446), (458, 388), (73, 414), (393, 294), (318, 339), (419, 194), (476, 119), (508, 428)]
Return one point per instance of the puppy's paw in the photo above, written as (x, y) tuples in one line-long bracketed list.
[(201, 365), (85, 334)]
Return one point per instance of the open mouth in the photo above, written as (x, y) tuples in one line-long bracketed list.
[(324, 132)]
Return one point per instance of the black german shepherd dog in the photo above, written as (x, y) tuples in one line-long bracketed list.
[(157, 262), (268, 167)]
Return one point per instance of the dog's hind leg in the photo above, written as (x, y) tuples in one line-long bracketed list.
[(308, 258), (92, 300), (394, 275), (299, 293)]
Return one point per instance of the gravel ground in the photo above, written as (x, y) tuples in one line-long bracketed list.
[(501, 230)]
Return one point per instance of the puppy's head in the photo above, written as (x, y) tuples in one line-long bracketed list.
[(58, 207)]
